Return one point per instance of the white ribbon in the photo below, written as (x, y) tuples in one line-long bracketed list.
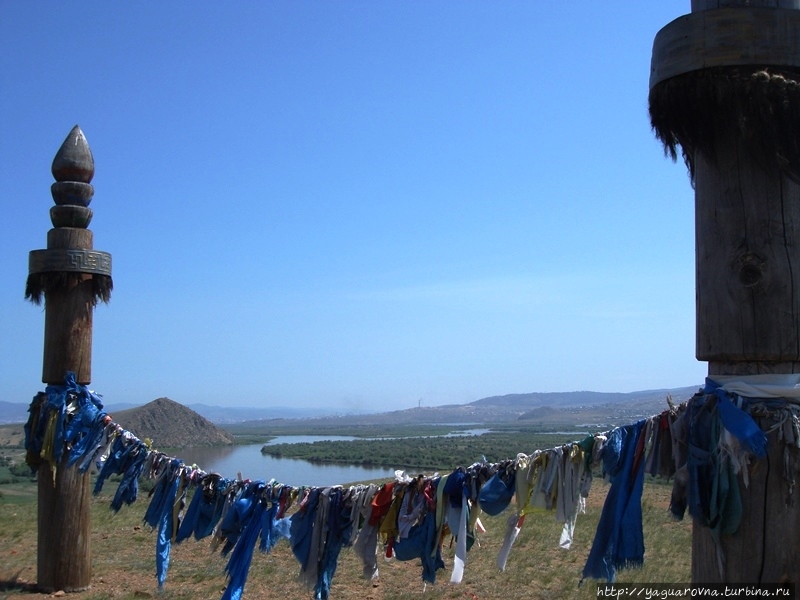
[(461, 544)]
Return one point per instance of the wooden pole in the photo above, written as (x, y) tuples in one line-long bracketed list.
[(72, 277), (748, 306), (724, 87)]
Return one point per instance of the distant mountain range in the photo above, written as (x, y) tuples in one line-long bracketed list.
[(492, 408), (17, 412), (552, 411), (568, 399), (13, 412), (222, 415)]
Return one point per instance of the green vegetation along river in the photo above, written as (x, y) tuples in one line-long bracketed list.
[(423, 453)]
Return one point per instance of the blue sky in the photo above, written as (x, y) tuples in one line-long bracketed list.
[(354, 205)]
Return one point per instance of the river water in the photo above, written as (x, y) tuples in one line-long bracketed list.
[(229, 461)]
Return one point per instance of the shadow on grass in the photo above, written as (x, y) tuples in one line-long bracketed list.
[(15, 585)]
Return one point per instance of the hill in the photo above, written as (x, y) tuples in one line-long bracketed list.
[(172, 425), (583, 408), (553, 411), (541, 412), (583, 398), (13, 412)]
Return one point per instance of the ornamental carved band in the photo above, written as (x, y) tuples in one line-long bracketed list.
[(71, 261)]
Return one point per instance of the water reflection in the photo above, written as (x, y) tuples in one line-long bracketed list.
[(228, 461)]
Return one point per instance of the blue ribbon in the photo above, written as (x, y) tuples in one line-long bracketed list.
[(737, 421)]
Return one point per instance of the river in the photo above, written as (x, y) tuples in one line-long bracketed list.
[(229, 461)]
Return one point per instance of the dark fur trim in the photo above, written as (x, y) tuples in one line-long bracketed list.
[(761, 107), (39, 285)]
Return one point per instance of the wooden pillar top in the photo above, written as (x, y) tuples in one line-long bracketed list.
[(70, 251), (69, 274), (732, 34)]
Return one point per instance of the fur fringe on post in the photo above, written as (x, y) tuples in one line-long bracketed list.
[(39, 285), (760, 107)]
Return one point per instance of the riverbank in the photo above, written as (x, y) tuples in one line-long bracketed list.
[(441, 452)]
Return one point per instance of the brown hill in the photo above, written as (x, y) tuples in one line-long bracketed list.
[(171, 425)]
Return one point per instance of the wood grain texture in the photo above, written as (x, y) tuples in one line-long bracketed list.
[(68, 316), (747, 234), (747, 259), (766, 548), (726, 37), (64, 560)]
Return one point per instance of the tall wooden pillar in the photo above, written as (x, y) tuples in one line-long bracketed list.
[(725, 88), (72, 277)]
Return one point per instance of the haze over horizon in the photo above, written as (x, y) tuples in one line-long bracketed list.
[(354, 204), (421, 401)]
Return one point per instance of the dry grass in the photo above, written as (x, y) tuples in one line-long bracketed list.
[(124, 564)]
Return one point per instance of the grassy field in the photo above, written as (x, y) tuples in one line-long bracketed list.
[(123, 558)]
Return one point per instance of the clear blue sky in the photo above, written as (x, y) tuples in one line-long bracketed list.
[(353, 205)]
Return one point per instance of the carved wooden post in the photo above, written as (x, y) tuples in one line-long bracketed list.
[(72, 277), (725, 87)]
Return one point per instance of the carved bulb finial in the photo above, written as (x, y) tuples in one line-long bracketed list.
[(73, 169)]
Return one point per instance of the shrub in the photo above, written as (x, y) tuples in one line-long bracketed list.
[(20, 470)]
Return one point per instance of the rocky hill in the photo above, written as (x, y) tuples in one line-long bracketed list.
[(171, 425)]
